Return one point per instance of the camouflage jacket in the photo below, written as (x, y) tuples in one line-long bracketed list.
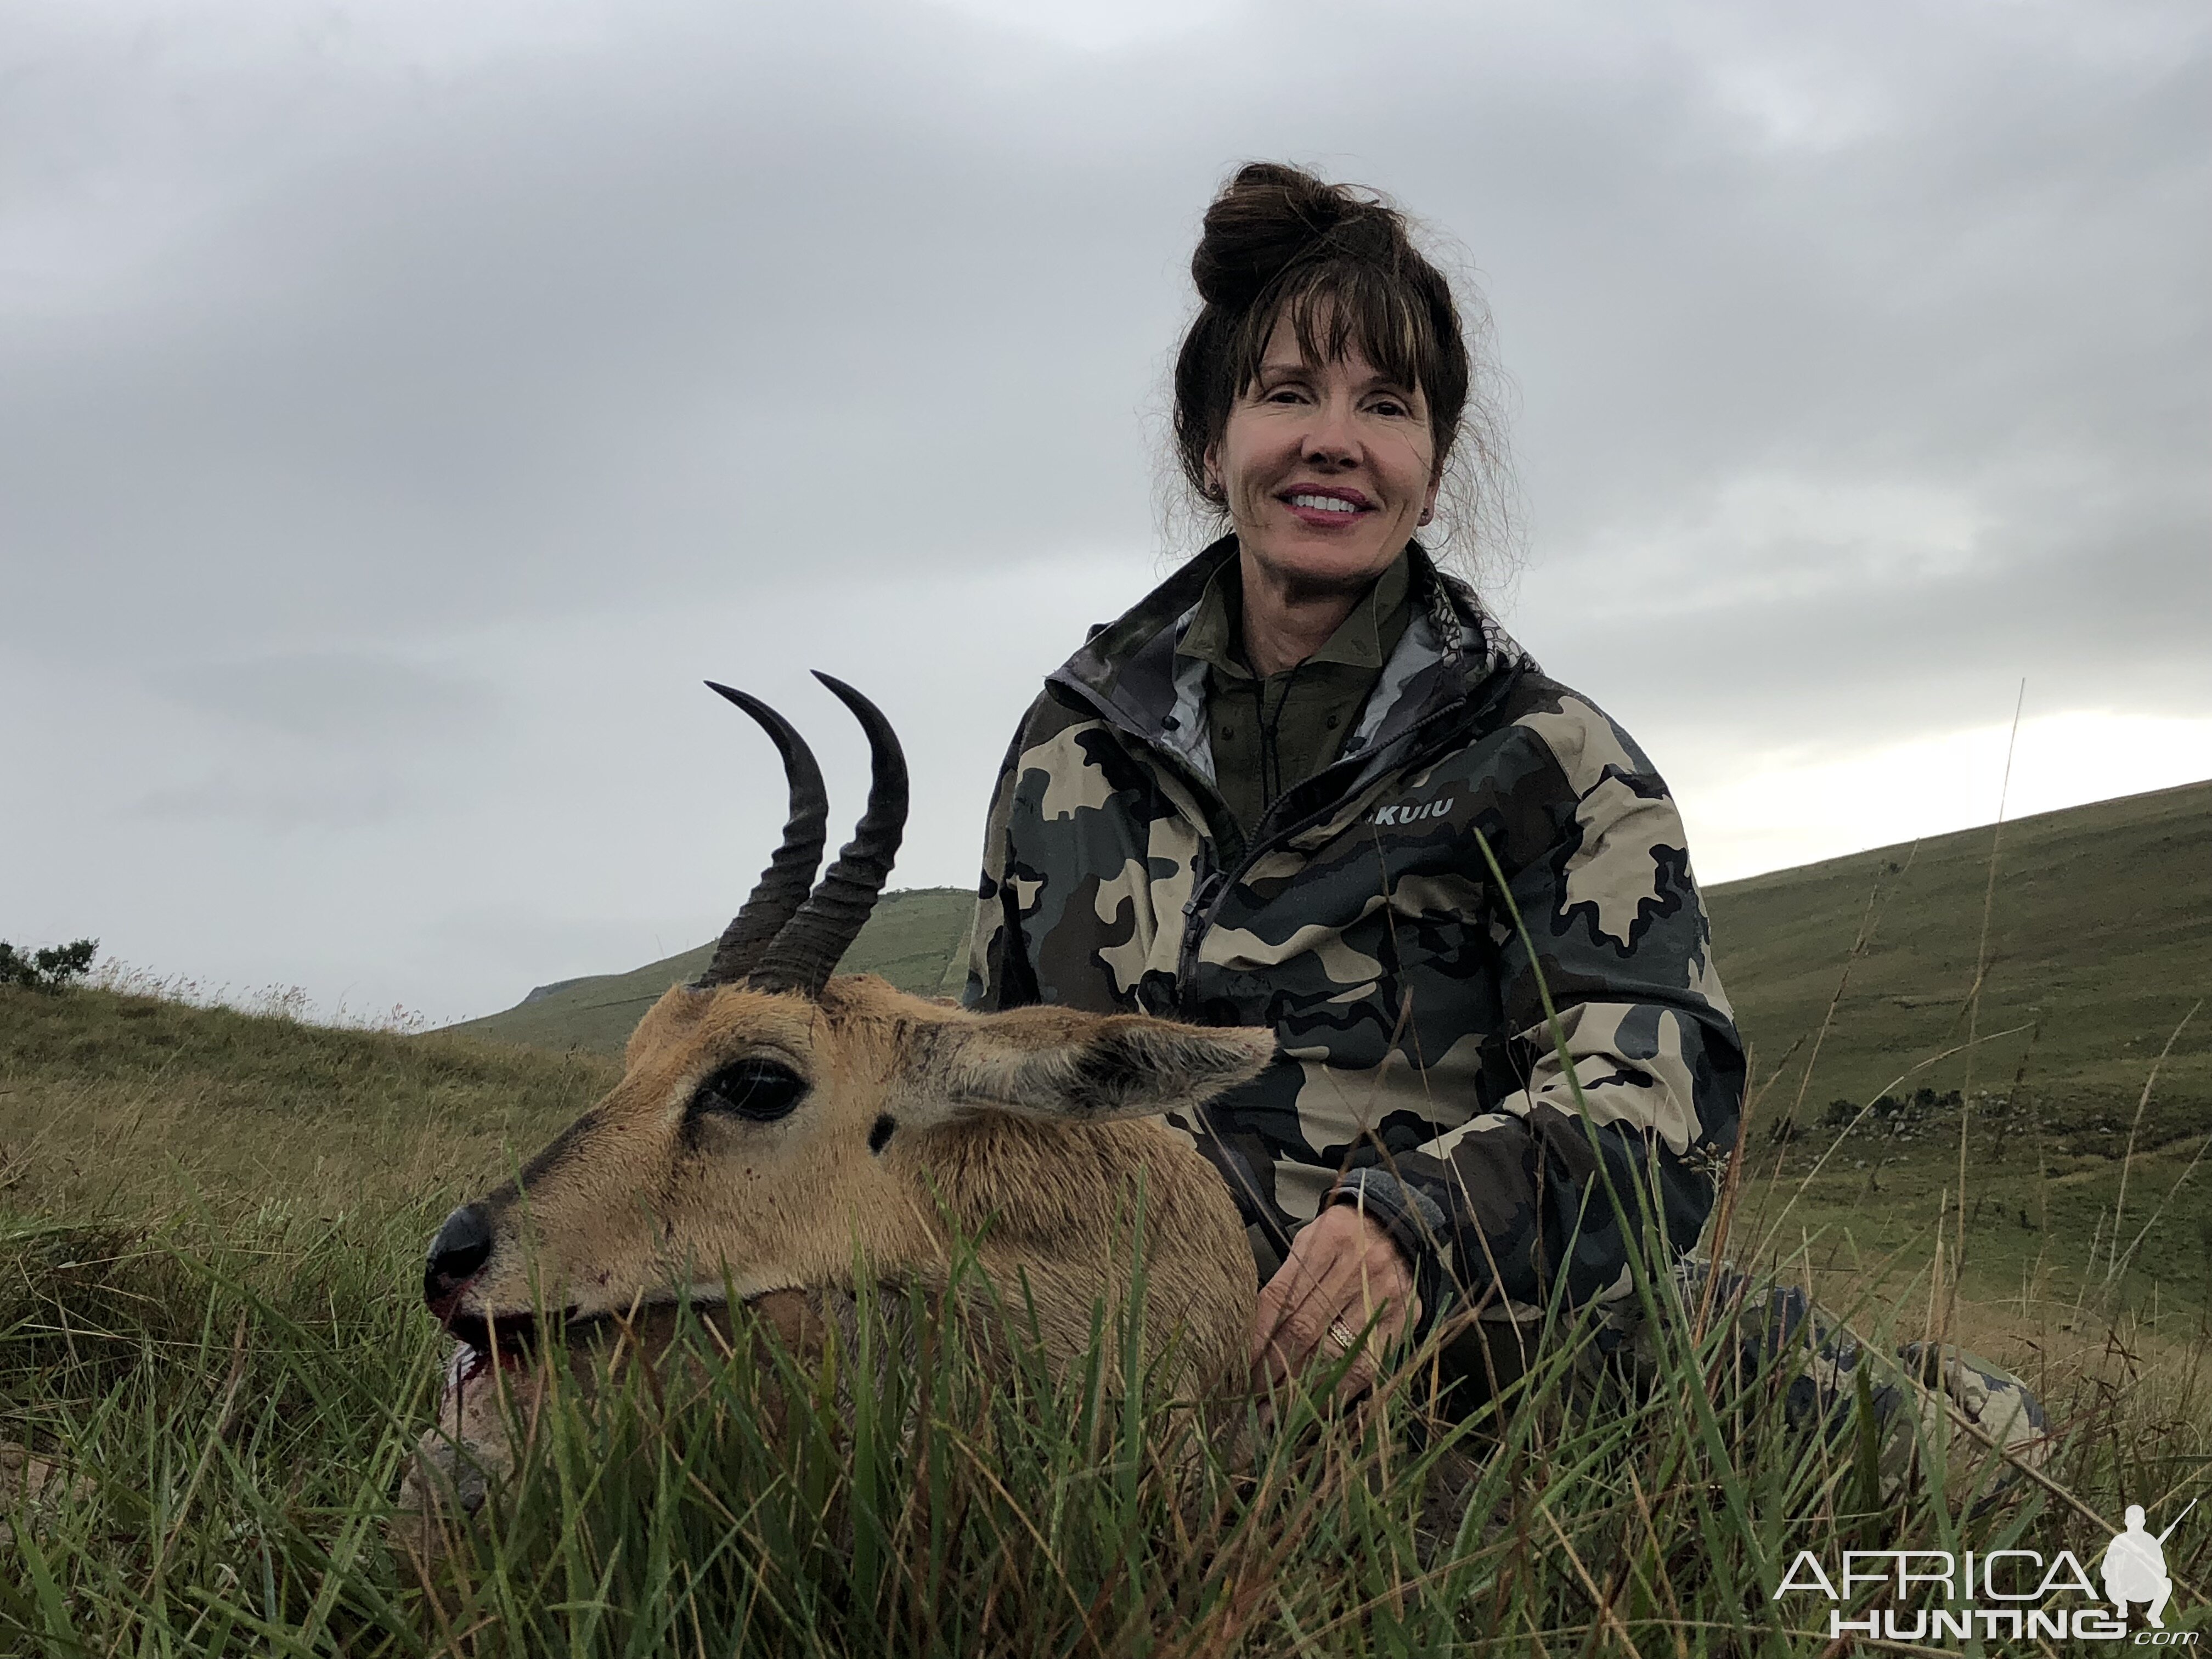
[(1416, 1072)]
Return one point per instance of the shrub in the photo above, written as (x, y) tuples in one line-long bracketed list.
[(50, 969)]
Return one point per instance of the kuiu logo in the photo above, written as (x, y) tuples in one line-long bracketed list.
[(2134, 1570), (1411, 812)]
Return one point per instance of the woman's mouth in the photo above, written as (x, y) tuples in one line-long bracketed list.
[(1326, 508)]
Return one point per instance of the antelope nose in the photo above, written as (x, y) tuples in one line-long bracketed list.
[(462, 1247)]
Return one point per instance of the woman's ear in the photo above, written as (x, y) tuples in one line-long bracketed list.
[(1212, 460)]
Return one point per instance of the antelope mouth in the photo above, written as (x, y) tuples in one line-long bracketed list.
[(511, 1341), (489, 1342)]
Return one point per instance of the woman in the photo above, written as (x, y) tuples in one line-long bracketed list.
[(1271, 794)]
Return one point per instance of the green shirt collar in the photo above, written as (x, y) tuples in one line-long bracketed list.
[(1216, 632)]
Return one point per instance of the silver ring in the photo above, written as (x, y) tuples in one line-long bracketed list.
[(1343, 1336)]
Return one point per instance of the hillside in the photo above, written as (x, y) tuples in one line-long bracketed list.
[(2100, 945), (113, 1104), (913, 939), (2101, 937), (2099, 942), (2100, 930)]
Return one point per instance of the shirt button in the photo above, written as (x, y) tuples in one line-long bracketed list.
[(1332, 722)]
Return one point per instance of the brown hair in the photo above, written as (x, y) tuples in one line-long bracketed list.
[(1340, 262)]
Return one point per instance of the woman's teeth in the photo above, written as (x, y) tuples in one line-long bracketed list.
[(1324, 504)]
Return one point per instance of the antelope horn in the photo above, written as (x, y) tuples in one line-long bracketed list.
[(806, 952), (782, 886)]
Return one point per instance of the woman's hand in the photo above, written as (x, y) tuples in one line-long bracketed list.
[(1343, 1271)]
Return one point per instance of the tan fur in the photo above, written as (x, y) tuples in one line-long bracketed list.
[(1028, 1131)]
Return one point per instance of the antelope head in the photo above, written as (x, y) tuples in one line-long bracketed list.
[(771, 1119)]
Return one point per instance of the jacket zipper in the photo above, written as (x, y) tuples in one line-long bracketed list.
[(1205, 904), (1200, 911)]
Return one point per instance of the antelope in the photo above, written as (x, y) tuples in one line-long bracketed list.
[(772, 1121)]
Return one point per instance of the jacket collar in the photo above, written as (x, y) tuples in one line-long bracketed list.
[(1452, 653)]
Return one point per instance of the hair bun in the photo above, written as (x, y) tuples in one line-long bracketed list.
[(1272, 217)]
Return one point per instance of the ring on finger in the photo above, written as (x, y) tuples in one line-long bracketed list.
[(1343, 1336)]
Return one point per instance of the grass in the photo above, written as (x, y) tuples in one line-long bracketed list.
[(211, 1223), (117, 1104), (214, 1339), (2100, 937), (241, 1402)]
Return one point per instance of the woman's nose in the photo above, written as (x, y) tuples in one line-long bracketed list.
[(1331, 438)]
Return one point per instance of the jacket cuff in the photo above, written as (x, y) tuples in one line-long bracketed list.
[(1415, 1221)]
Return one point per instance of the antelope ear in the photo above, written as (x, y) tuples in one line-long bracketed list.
[(1058, 1064)]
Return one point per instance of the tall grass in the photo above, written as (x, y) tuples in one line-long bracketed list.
[(230, 1408), (221, 1393)]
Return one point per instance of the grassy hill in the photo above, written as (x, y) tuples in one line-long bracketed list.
[(213, 1358), (113, 1104), (914, 939), (2100, 945), (211, 1227), (2099, 941), (2101, 937)]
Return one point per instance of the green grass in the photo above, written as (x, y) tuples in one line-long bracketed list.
[(2100, 933), (210, 1233), (120, 1104), (2100, 945), (236, 1400), (208, 1325)]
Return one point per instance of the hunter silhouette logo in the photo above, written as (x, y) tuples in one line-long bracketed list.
[(2135, 1566), (2012, 1594)]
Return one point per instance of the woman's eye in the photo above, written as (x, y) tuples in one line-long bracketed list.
[(759, 1091)]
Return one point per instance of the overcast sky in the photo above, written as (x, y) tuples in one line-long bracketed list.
[(404, 406)]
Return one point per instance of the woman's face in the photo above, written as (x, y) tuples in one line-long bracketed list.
[(1327, 467)]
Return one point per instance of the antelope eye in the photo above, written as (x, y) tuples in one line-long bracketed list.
[(760, 1090)]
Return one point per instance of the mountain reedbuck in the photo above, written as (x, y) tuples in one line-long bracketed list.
[(774, 1126)]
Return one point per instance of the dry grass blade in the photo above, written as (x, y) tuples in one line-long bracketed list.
[(2114, 1259), (1598, 1598)]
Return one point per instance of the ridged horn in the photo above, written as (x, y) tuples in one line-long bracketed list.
[(783, 886), (805, 953)]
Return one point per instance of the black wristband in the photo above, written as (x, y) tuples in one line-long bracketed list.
[(1415, 1221)]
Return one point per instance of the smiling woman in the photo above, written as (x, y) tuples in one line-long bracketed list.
[(1309, 784)]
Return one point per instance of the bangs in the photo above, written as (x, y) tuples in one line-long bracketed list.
[(1336, 306)]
